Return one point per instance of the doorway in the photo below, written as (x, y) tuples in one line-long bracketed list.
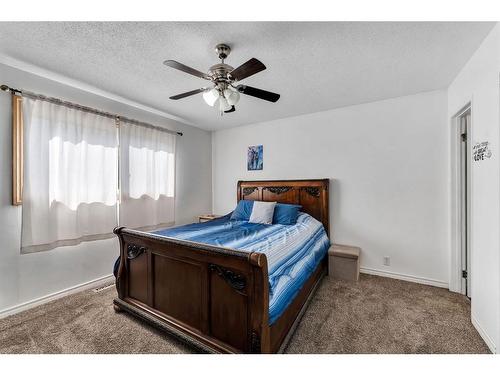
[(464, 127)]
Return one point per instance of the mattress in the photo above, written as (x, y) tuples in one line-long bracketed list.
[(293, 251)]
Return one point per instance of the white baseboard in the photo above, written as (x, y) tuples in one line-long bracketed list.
[(53, 296), (400, 276), (487, 339)]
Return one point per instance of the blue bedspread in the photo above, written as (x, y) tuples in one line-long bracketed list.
[(292, 251)]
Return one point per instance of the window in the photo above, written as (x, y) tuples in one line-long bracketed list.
[(147, 168), (154, 180), (82, 173), (71, 166)]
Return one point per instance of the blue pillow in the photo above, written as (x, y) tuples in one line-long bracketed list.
[(243, 210), (286, 214)]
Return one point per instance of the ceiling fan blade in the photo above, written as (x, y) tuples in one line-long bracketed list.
[(258, 93), (186, 69), (186, 94), (247, 69), (233, 109)]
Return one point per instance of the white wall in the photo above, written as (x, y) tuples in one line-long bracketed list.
[(389, 161), (31, 276), (478, 82)]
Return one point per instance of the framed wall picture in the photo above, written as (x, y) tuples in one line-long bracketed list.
[(255, 158)]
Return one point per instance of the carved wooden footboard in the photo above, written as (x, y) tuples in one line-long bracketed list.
[(219, 297), (216, 299)]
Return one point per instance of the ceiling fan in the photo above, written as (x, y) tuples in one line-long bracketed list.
[(225, 92)]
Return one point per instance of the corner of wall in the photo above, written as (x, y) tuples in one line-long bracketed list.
[(212, 137)]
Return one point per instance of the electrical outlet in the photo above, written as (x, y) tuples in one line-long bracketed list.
[(387, 261)]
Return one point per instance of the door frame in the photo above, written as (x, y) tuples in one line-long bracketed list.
[(456, 281)]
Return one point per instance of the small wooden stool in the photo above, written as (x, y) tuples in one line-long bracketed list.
[(343, 262)]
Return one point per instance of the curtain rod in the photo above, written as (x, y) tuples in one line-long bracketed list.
[(83, 108)]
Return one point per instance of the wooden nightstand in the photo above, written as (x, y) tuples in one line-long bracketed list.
[(205, 218)]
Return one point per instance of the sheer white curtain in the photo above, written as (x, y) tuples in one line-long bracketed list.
[(70, 169), (147, 176)]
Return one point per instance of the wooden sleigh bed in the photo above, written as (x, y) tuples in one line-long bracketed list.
[(214, 298)]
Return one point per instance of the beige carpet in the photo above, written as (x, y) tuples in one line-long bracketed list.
[(375, 315)]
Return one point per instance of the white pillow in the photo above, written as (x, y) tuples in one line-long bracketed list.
[(262, 212)]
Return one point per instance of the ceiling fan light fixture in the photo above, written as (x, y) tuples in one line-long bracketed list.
[(232, 96), (210, 96)]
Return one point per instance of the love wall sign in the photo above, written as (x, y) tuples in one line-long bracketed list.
[(481, 151)]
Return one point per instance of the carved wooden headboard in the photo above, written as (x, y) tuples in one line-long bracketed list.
[(312, 195)]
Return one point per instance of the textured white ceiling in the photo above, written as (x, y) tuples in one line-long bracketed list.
[(314, 66)]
